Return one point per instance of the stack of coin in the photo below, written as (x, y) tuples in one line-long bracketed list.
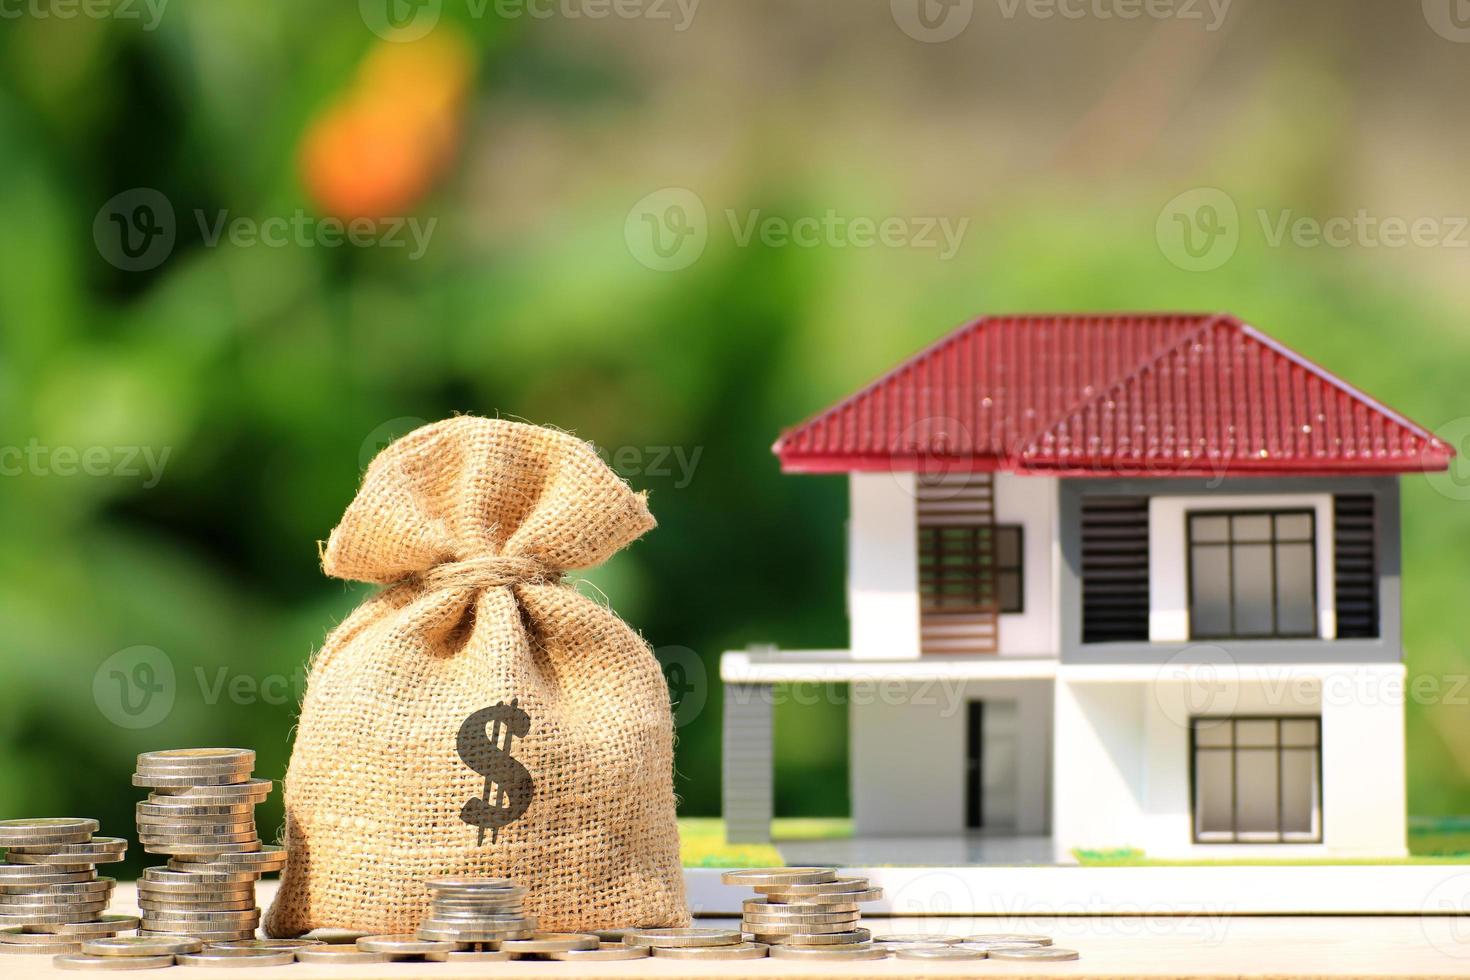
[(806, 907), (480, 911), (201, 812), (51, 898)]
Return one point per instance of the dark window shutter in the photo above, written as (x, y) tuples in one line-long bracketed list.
[(1114, 569), (1355, 566)]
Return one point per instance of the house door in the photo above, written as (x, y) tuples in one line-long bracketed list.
[(992, 743)]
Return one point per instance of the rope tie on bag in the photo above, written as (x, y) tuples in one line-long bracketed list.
[(488, 572)]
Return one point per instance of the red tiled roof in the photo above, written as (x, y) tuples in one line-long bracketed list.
[(1117, 394)]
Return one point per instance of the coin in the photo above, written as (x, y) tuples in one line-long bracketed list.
[(845, 902), (205, 851), (36, 949), (735, 951), (189, 812), (275, 945), (237, 957), (152, 780), (185, 893), (16, 936), (806, 938), (829, 886), (928, 938), (267, 857), (611, 935), (917, 951), (47, 829), (141, 946), (63, 889), (550, 942), (87, 903), (80, 961), (194, 825), (757, 877), (205, 917), (197, 758), (1034, 953), (799, 918), (102, 925), (53, 898), (178, 905), (203, 876), (471, 884), (30, 874), (51, 918), (98, 850), (857, 951), (467, 956), (431, 933), (774, 926), (403, 944), (681, 937), (606, 950), (338, 953), (249, 791), (1008, 937), (208, 935)]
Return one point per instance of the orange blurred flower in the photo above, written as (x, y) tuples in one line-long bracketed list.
[(381, 145)]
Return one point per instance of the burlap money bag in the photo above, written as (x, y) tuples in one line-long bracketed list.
[(470, 523)]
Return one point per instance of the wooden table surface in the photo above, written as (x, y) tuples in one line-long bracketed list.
[(1111, 946)]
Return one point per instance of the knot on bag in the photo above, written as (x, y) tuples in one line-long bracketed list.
[(487, 572)]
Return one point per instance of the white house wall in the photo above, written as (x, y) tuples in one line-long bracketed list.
[(883, 566), (1123, 757), (908, 755)]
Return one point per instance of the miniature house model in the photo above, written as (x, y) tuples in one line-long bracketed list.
[(1113, 581)]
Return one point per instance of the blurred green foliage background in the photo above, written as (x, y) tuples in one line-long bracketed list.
[(268, 374)]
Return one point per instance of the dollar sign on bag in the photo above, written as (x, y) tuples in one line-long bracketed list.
[(508, 786)]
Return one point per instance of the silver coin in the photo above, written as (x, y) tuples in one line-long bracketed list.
[(611, 935), (203, 850), (41, 898), (736, 951), (338, 953), (765, 905), (178, 905), (224, 893), (432, 934), (250, 793), (205, 917), (198, 875), (857, 951), (192, 758), (917, 951), (467, 956), (202, 780), (191, 811), (763, 927), (141, 946), (54, 948), (96, 845), (195, 825), (102, 925), (927, 938), (14, 936), (1008, 937), (831, 886), (80, 961), (471, 884), (800, 918), (46, 827), (757, 877), (403, 944), (550, 942), (88, 883), (275, 945), (237, 837), (605, 950), (267, 857), (208, 935), (30, 874), (682, 937), (237, 957), (804, 938), (50, 918), (1033, 953), (88, 903)]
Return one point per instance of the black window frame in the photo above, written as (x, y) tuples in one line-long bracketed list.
[(1229, 544), (1194, 749), (999, 570)]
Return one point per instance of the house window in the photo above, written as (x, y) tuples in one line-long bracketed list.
[(1257, 780), (963, 569), (1252, 574)]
